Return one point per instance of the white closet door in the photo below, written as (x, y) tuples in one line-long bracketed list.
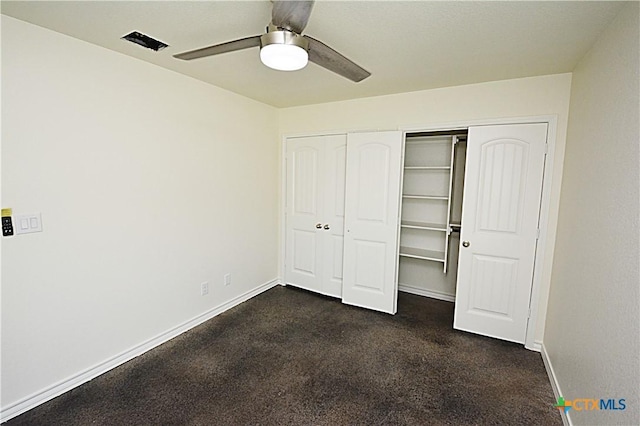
[(315, 213), (371, 220), (303, 250), (335, 157), (500, 209)]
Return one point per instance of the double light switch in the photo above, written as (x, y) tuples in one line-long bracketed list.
[(27, 223)]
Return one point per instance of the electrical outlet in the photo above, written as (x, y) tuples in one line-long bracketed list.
[(227, 279), (204, 288)]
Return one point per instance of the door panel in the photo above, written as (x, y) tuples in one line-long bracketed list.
[(491, 290), (314, 224), (372, 165), (305, 164), (500, 209), (370, 266), (371, 220), (501, 188), (334, 179), (303, 250)]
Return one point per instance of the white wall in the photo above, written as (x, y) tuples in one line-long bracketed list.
[(593, 325), (547, 95), (148, 182)]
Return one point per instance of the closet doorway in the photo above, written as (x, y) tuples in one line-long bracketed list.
[(470, 202), (497, 217)]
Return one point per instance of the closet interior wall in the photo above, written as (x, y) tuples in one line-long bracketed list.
[(428, 169)]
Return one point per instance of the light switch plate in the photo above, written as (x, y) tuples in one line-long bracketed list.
[(27, 223)]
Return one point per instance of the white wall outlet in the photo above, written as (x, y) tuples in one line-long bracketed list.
[(204, 288), (27, 223), (227, 279)]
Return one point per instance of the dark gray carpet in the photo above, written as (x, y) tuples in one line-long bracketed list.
[(293, 357)]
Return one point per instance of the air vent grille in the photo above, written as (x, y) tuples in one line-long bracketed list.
[(145, 41)]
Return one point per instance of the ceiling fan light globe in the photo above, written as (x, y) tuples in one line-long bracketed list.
[(284, 57)]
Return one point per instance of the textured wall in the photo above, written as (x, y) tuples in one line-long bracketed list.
[(149, 183), (592, 334)]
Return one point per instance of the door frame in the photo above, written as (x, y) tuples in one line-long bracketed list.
[(545, 203), (539, 271)]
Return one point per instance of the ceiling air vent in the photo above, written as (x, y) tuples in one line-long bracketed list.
[(145, 41)]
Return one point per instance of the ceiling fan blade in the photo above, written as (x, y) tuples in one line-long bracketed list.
[(230, 46), (323, 55), (292, 15)]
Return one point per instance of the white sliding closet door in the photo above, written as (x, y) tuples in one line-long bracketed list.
[(371, 220), (315, 172), (500, 211)]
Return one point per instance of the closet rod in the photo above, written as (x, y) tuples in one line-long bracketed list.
[(459, 133)]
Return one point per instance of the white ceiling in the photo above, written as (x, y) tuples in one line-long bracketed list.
[(406, 45)]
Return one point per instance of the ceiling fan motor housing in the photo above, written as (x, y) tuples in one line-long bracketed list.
[(283, 37)]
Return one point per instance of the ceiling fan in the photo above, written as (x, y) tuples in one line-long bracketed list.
[(283, 47)]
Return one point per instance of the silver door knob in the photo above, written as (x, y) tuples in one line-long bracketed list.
[(319, 225), (465, 244), (326, 226)]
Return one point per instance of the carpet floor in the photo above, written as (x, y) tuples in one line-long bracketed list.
[(292, 357)]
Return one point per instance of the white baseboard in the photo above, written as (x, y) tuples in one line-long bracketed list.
[(44, 395), (554, 383), (427, 293)]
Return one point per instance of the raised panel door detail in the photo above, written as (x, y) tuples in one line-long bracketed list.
[(503, 172), (332, 269), (491, 289), (305, 181), (373, 176), (370, 264), (304, 252), (339, 155), (336, 270)]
